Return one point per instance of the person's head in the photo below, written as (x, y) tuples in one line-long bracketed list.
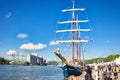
[(88, 67)]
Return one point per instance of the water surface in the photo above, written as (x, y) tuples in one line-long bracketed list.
[(20, 72)]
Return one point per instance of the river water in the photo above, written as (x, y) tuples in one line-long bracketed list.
[(20, 72)]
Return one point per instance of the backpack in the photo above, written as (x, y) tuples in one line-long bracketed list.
[(116, 69)]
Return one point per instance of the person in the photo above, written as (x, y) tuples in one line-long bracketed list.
[(100, 73), (104, 71), (108, 74), (88, 75), (96, 71), (109, 67), (115, 71), (73, 77)]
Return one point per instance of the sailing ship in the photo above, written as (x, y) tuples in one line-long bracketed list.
[(75, 40)]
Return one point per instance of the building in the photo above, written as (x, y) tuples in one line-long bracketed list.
[(34, 59)]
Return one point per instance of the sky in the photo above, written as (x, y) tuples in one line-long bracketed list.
[(29, 26)]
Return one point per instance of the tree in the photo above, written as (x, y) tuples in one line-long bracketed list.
[(106, 59), (27, 63), (52, 63), (111, 57), (3, 61)]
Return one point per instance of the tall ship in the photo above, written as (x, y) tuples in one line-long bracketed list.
[(74, 38)]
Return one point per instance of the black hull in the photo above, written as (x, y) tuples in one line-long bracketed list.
[(71, 70)]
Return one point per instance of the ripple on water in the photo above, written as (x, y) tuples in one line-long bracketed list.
[(20, 72)]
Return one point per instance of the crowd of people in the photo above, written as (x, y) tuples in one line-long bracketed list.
[(102, 72)]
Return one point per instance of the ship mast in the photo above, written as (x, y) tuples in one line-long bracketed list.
[(73, 30), (78, 44), (72, 27)]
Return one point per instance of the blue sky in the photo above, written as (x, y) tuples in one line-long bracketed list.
[(35, 22)]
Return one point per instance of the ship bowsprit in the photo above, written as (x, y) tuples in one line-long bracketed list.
[(68, 70)]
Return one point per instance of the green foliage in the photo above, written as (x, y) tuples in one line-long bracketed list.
[(111, 57), (27, 63), (106, 59), (3, 61), (52, 63), (95, 60)]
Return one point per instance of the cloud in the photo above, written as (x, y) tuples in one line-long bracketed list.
[(31, 46), (11, 52), (53, 43), (8, 15), (22, 35)]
